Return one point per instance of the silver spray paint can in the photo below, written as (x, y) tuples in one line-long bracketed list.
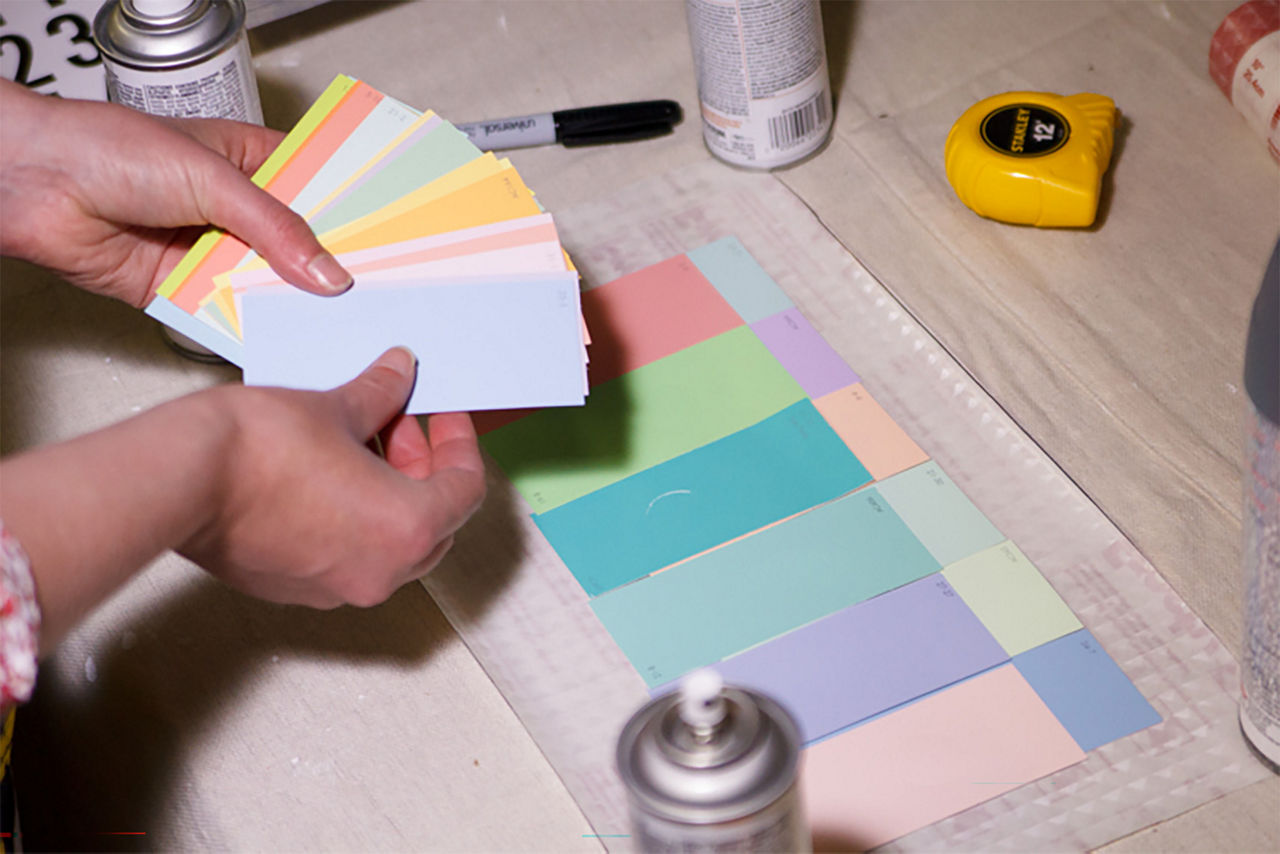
[(713, 768), (763, 85), (183, 58), (179, 58)]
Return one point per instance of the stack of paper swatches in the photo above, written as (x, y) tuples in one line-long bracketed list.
[(452, 256)]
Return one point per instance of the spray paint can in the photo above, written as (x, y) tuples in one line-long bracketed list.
[(1260, 663), (712, 768), (182, 58), (763, 84)]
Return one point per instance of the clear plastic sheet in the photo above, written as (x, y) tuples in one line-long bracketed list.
[(528, 622)]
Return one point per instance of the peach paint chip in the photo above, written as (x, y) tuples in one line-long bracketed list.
[(875, 438), (931, 759)]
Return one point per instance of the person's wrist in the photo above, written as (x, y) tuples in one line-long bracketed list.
[(208, 418), (20, 110)]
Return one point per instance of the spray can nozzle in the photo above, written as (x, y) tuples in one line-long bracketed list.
[(702, 706)]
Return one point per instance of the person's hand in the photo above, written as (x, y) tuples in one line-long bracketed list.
[(277, 492), (308, 514), (111, 198)]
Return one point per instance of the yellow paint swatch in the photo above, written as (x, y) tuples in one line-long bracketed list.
[(1011, 598), (497, 198)]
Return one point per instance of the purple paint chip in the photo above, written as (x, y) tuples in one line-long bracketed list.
[(869, 657), (804, 353)]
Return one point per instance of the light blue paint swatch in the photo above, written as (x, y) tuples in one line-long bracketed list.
[(944, 519), (789, 462), (202, 333), (740, 280), (481, 343), (1085, 689), (754, 589), (388, 120)]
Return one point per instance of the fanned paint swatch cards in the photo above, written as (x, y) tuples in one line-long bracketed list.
[(451, 254)]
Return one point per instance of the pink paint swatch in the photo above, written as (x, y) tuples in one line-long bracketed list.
[(932, 759)]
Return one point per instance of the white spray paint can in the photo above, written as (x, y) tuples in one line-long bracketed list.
[(763, 85)]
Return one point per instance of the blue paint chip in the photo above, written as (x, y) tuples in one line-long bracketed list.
[(1086, 690)]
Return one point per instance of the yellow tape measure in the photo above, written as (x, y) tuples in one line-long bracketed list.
[(1032, 158)]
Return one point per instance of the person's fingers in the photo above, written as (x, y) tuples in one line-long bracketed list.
[(457, 469), (405, 447), (227, 198), (453, 442), (429, 563), (232, 202), (371, 400), (247, 146)]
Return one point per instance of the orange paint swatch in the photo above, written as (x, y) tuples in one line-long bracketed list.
[(875, 438)]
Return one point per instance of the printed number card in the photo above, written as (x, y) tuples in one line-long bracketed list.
[(47, 46)]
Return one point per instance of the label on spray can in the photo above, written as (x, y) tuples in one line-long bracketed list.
[(713, 769), (762, 79), (180, 58)]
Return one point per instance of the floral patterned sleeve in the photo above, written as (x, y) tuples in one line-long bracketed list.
[(19, 623)]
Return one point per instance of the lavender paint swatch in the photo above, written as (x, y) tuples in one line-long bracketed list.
[(804, 353), (869, 657)]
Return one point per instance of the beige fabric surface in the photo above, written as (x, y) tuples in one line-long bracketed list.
[(209, 721)]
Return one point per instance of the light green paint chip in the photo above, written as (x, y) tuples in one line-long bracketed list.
[(1010, 596), (645, 417)]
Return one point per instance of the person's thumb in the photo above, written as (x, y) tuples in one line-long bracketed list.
[(371, 400), (282, 237)]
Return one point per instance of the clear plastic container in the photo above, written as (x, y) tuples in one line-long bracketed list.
[(1260, 662)]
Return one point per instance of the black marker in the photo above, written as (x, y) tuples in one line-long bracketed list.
[(583, 126)]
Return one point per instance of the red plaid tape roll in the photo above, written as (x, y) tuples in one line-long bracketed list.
[(1244, 60)]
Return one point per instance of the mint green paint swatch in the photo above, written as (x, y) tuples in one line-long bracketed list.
[(433, 156), (944, 519), (1014, 601), (642, 418), (740, 280), (750, 590)]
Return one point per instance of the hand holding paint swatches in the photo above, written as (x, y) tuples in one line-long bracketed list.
[(451, 255)]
